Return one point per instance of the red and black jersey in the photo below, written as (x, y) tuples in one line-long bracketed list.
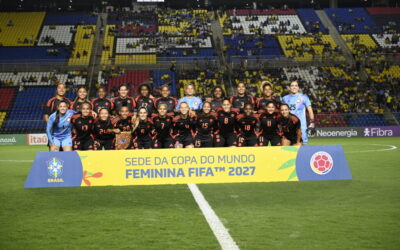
[(246, 125), (169, 101), (205, 125), (269, 123), (51, 105), (163, 126), (226, 121), (238, 102), (215, 104), (101, 130), (128, 101), (83, 127), (262, 102), (145, 102), (289, 126), (102, 103), (144, 129), (77, 105), (182, 126), (123, 124)]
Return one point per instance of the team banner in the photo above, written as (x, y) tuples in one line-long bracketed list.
[(181, 166)]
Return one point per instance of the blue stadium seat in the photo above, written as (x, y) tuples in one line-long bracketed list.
[(68, 18)]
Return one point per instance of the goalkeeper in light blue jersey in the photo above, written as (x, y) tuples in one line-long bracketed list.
[(298, 104), (195, 103)]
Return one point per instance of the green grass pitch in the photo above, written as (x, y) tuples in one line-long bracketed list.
[(358, 214)]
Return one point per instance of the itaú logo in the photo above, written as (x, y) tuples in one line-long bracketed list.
[(321, 162)]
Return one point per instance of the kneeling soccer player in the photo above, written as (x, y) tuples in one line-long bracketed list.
[(83, 128), (290, 127)]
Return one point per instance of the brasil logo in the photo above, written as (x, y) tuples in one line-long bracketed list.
[(321, 162), (55, 167)]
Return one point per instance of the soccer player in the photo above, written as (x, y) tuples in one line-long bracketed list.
[(83, 128), (123, 100), (123, 122), (143, 100), (81, 99), (102, 102), (59, 126), (267, 96), (290, 127), (144, 132), (163, 128), (246, 126), (269, 131), (241, 99), (183, 127), (103, 131), (194, 102), (218, 98), (298, 103), (166, 99), (226, 116), (52, 103), (205, 126)]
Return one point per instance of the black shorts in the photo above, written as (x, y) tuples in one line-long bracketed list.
[(292, 140), (106, 144), (141, 143), (247, 141), (166, 142), (264, 140), (185, 140), (83, 144), (225, 140), (203, 141)]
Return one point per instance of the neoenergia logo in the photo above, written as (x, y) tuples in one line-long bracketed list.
[(321, 162)]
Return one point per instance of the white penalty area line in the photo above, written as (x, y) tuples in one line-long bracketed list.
[(221, 233)]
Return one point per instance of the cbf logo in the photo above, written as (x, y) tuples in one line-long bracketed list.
[(321, 163), (55, 170)]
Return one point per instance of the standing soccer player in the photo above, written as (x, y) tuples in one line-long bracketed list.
[(52, 104), (298, 104), (241, 99), (101, 102), (194, 102), (59, 128), (166, 99), (81, 99), (123, 100), (218, 98), (267, 97), (143, 100)]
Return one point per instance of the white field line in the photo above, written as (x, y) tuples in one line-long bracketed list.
[(221, 233), (390, 147)]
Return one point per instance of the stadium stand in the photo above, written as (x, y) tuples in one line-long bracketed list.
[(113, 78), (7, 97), (165, 77), (69, 19), (352, 21), (311, 21), (14, 28), (83, 45), (26, 113), (72, 78), (52, 35), (204, 81)]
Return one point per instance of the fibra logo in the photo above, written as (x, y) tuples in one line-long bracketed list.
[(366, 132), (321, 162), (55, 169)]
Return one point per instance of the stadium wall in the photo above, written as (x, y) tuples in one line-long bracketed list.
[(336, 132)]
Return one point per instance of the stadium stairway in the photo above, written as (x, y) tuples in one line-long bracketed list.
[(335, 34)]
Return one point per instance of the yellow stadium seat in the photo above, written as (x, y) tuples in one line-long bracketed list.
[(108, 42), (82, 44), (25, 25)]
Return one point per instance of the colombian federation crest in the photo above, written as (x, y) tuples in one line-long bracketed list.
[(321, 162), (55, 167)]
